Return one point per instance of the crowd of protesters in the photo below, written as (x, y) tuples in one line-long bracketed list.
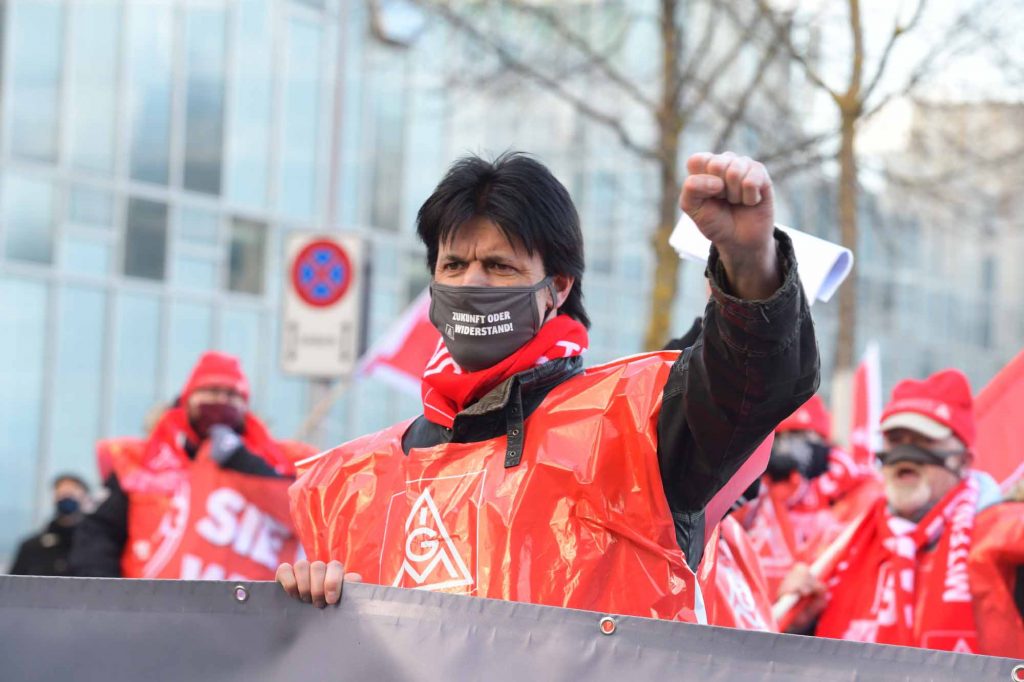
[(531, 478)]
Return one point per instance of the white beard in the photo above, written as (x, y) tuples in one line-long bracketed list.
[(909, 501)]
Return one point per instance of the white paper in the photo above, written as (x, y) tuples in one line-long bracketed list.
[(822, 265)]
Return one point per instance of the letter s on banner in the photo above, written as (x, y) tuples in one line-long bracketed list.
[(220, 524)]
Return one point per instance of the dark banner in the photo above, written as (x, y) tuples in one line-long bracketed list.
[(92, 630)]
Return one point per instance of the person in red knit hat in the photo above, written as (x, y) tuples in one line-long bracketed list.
[(211, 422), (905, 574)]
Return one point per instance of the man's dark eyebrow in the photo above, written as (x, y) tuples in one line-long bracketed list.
[(495, 260)]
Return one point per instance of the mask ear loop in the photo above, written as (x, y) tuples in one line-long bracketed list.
[(554, 296)]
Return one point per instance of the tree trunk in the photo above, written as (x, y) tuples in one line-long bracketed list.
[(848, 191), (665, 286), (666, 270)]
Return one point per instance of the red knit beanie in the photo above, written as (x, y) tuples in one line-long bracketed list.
[(216, 369)]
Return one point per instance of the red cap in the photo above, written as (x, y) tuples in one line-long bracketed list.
[(936, 407), (811, 416), (217, 369)]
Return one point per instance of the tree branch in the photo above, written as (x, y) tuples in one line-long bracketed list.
[(707, 85), (377, 28), (592, 55), (737, 113), (582, 105), (782, 34), (707, 36), (897, 31)]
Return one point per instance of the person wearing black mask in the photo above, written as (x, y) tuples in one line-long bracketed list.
[(46, 553)]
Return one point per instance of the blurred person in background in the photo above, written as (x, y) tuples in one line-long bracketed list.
[(46, 553), (175, 471), (923, 567), (810, 489)]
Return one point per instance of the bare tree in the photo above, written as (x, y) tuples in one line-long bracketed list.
[(698, 76), (860, 96)]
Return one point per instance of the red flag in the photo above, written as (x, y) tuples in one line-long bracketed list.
[(865, 436), (400, 357), (999, 416)]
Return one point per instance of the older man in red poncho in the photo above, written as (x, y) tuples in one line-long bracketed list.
[(923, 567)]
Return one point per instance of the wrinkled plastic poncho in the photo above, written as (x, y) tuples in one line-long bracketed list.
[(581, 522)]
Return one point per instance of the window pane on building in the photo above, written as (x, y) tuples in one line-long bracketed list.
[(150, 52), (86, 254), (92, 114), (28, 218), (36, 29), (300, 127), (22, 356), (246, 259), (388, 125), (92, 207), (75, 422), (196, 272), (250, 131), (188, 337), (240, 335), (136, 363), (145, 246), (197, 226), (204, 107)]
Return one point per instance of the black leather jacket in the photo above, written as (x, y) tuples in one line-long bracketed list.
[(752, 365)]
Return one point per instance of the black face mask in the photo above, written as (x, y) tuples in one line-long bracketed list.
[(806, 457), (481, 326), (209, 414), (67, 506), (907, 452)]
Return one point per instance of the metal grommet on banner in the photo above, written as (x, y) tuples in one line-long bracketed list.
[(1017, 674), (607, 625), (241, 593)]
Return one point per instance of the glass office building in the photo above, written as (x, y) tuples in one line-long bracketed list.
[(153, 156), (155, 153)]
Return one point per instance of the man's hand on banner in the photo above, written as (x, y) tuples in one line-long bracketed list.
[(315, 583), (731, 200)]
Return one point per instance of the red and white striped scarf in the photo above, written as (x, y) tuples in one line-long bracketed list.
[(447, 389), (920, 598)]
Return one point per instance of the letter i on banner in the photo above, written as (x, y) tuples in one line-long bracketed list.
[(865, 436)]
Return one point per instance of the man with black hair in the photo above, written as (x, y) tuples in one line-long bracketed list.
[(46, 553), (527, 477)]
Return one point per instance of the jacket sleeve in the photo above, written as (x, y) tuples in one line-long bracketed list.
[(100, 537), (753, 365)]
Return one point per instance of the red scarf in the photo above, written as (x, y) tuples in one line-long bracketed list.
[(165, 448), (447, 389), (887, 589)]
